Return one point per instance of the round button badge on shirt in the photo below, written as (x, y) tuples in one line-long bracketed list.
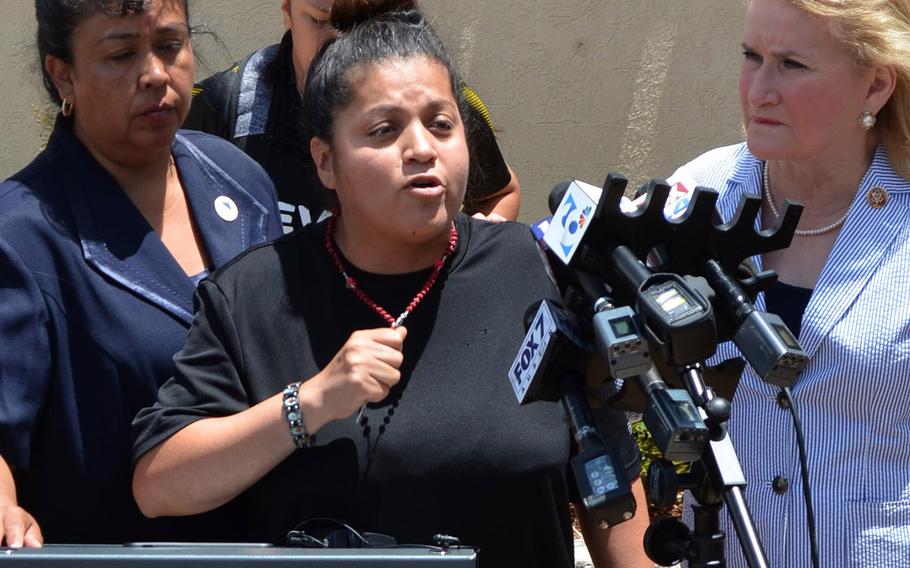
[(226, 208), (877, 197)]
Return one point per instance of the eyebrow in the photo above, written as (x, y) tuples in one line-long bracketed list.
[(120, 35), (784, 54), (434, 104), (318, 13)]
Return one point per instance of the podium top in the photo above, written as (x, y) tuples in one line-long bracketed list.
[(176, 555)]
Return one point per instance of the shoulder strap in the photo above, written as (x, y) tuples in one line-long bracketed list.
[(477, 104), (232, 92), (215, 103)]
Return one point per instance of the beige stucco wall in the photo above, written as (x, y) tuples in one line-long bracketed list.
[(577, 88)]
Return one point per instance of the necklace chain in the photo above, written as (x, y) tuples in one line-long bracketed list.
[(352, 285), (766, 189)]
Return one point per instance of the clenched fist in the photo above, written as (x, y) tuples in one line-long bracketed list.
[(362, 371)]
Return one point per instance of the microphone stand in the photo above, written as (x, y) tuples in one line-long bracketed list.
[(724, 475), (716, 479), (721, 480)]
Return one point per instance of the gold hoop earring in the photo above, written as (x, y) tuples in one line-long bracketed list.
[(66, 107), (867, 120)]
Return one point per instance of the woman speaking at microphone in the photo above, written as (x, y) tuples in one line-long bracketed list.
[(386, 303)]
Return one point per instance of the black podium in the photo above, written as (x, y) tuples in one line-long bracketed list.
[(231, 556)]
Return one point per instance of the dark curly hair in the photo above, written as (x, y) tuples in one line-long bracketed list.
[(348, 13)]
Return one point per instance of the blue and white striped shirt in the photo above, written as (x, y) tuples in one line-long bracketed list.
[(854, 396)]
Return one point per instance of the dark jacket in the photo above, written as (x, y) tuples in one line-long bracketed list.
[(92, 308)]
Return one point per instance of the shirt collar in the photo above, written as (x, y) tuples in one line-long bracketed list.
[(118, 241)]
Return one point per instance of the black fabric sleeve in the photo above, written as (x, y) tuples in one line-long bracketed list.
[(207, 381), (211, 106), (489, 173)]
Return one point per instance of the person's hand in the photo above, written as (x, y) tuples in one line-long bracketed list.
[(18, 527), (362, 371), (491, 218)]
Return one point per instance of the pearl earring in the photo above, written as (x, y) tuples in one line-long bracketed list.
[(867, 120)]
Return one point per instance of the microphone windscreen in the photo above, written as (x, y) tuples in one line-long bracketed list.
[(556, 195), (530, 313)]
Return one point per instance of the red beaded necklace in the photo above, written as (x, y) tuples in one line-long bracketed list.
[(351, 284)]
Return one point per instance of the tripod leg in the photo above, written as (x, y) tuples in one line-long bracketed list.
[(707, 544)]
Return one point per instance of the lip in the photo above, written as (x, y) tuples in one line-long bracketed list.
[(158, 110), (427, 185), (765, 121)]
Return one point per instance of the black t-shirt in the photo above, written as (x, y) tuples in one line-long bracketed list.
[(449, 451), (261, 94)]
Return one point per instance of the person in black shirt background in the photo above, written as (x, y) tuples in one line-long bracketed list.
[(256, 105)]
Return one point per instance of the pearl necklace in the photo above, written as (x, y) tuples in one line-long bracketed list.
[(352, 285), (766, 189)]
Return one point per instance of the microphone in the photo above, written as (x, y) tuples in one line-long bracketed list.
[(540, 227), (574, 205), (672, 419), (681, 191), (671, 310), (556, 343), (602, 482), (762, 337), (552, 365), (558, 193)]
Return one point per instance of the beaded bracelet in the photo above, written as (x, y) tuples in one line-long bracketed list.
[(302, 438)]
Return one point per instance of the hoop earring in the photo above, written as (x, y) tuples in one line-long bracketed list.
[(867, 120), (66, 107)]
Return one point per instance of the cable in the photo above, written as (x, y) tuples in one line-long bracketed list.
[(804, 472), (333, 533)]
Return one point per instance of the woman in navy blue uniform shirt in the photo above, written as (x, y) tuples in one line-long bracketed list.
[(103, 238)]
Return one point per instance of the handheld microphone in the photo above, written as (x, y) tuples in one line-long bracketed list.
[(681, 191), (574, 205), (672, 419), (539, 227), (762, 337), (602, 482), (555, 357), (555, 343), (571, 218), (557, 194)]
